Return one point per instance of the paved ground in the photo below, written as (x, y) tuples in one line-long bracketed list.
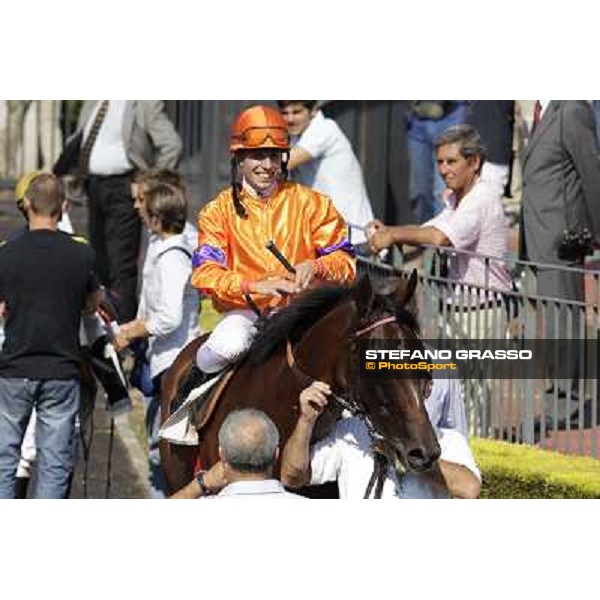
[(128, 472)]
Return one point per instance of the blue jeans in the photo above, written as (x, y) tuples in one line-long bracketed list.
[(425, 184), (57, 404)]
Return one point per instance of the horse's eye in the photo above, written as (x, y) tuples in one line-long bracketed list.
[(384, 401), (427, 387)]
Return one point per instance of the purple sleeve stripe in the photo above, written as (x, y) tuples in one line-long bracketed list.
[(204, 253), (344, 246)]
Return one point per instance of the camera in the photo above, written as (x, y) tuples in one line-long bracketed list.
[(575, 244)]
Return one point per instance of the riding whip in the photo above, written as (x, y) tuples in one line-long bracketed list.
[(272, 248)]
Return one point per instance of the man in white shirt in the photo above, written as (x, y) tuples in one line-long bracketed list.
[(345, 454), (118, 138), (322, 158)]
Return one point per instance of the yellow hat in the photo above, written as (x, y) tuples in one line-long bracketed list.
[(24, 183)]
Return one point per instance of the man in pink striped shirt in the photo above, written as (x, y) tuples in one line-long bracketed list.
[(472, 221)]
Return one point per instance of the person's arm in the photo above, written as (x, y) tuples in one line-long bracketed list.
[(298, 156), (335, 254), (173, 270), (128, 332), (579, 137), (92, 302), (414, 235), (459, 480), (163, 134), (214, 481), (211, 274), (94, 293), (456, 470), (295, 460), (454, 479), (171, 276)]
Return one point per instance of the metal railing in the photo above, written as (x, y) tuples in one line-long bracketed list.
[(556, 412)]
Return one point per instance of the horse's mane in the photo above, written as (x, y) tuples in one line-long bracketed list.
[(293, 320)]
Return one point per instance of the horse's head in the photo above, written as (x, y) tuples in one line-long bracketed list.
[(325, 327), (395, 407)]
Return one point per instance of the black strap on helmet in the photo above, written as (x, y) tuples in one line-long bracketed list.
[(236, 188)]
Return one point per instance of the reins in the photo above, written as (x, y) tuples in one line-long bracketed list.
[(352, 405)]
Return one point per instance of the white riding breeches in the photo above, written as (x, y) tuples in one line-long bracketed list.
[(228, 341)]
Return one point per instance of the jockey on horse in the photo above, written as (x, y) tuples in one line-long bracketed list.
[(261, 210)]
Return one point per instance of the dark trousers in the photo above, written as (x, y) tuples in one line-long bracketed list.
[(115, 234), (565, 286)]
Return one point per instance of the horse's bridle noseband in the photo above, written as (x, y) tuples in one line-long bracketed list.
[(374, 325), (351, 404)]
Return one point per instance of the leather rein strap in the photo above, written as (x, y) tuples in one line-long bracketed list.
[(381, 461)]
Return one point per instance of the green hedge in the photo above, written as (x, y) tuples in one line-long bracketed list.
[(519, 471)]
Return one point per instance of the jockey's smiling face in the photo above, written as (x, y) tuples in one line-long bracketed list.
[(261, 168)]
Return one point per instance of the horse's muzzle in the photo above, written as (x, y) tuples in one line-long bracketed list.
[(419, 459)]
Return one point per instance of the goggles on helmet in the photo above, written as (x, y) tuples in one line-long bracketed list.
[(263, 137)]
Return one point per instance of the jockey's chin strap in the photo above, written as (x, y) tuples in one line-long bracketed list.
[(351, 404)]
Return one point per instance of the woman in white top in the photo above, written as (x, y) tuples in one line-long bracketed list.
[(168, 310)]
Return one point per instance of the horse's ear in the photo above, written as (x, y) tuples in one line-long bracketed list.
[(363, 294), (407, 291)]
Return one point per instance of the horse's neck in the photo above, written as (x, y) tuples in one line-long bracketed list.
[(318, 352)]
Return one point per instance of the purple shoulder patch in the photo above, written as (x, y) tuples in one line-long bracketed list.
[(204, 253), (344, 246)]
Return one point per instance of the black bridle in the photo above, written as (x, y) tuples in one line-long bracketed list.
[(351, 403)]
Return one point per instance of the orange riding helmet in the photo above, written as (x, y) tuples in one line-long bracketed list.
[(259, 127)]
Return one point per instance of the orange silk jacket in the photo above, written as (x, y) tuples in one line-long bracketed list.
[(303, 224)]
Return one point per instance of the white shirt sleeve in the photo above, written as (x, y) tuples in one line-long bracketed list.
[(455, 449), (316, 138), (326, 457), (174, 270), (463, 225)]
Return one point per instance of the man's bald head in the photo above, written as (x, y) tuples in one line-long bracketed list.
[(248, 441)]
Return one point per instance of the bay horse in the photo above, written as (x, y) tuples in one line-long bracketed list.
[(316, 337)]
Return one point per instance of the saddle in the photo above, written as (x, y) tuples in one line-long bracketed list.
[(183, 425)]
